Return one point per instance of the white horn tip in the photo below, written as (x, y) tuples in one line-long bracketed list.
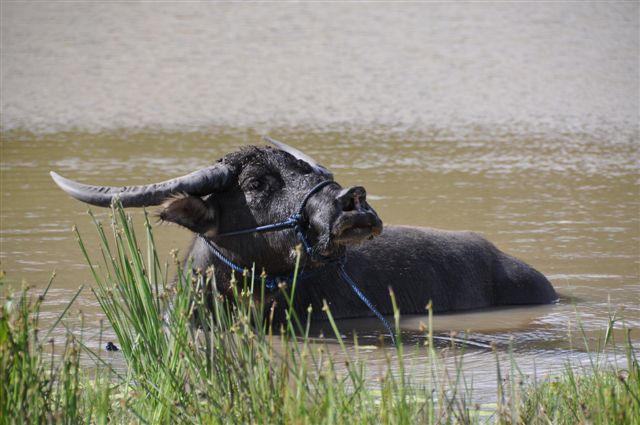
[(56, 177)]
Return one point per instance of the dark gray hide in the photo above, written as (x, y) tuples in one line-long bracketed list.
[(264, 185)]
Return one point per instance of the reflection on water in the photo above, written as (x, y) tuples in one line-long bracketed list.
[(516, 121)]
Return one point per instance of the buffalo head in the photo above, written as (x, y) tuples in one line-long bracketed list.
[(248, 188)]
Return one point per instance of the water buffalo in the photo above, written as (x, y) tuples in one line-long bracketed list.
[(264, 185)]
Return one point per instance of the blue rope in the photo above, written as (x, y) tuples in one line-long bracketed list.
[(345, 276), (288, 223), (220, 255), (295, 221), (271, 283)]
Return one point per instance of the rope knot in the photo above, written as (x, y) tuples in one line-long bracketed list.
[(296, 218)]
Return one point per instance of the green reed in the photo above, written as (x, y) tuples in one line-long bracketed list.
[(593, 393), (194, 355), (39, 382)]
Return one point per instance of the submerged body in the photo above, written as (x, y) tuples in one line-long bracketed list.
[(454, 270)]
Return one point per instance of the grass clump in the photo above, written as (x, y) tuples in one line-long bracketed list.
[(595, 393), (39, 382), (194, 356)]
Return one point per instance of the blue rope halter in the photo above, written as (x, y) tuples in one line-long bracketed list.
[(295, 222)]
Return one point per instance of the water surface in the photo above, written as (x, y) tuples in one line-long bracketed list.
[(514, 120)]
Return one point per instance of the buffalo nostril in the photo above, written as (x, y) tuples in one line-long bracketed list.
[(353, 198)]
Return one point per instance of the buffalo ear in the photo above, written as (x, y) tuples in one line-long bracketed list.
[(191, 212)]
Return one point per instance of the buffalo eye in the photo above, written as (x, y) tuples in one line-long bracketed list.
[(254, 184), (264, 183)]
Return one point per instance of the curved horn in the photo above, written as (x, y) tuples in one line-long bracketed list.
[(301, 156), (198, 183)]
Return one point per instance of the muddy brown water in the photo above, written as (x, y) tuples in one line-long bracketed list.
[(516, 121)]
